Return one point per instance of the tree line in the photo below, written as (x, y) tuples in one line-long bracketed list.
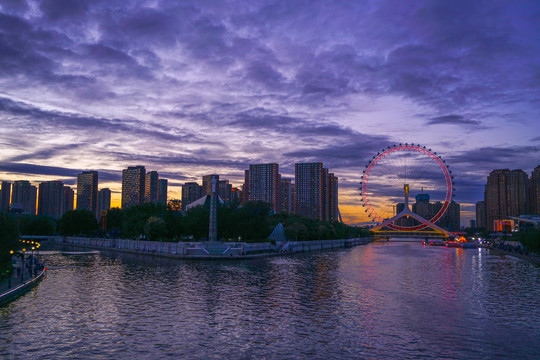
[(251, 222), (530, 238), (9, 241)]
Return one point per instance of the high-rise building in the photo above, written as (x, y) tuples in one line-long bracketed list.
[(534, 198), (518, 191), (331, 207), (69, 198), (285, 196), (5, 196), (481, 214), (24, 197), (191, 192), (104, 200), (133, 186), (245, 187), (225, 190), (151, 185), (207, 183), (496, 197), (87, 190), (451, 220), (264, 184), (423, 206), (162, 191), (236, 195), (293, 198), (506, 195), (315, 192), (308, 180), (51, 199)]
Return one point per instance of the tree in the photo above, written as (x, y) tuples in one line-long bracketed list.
[(530, 238), (155, 228), (135, 218), (197, 221), (175, 225), (9, 237), (115, 218), (78, 222), (36, 225)]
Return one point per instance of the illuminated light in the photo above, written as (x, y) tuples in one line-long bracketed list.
[(11, 252), (24, 249)]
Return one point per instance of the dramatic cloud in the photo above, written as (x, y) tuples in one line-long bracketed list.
[(189, 88), (452, 120)]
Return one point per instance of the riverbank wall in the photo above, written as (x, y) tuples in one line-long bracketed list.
[(13, 293), (531, 257), (207, 250)]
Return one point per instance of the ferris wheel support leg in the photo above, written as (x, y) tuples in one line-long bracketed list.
[(407, 212)]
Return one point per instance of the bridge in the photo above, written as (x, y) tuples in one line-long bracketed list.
[(388, 228), (36, 237)]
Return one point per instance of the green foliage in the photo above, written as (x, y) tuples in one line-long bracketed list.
[(155, 228), (296, 231), (250, 223), (36, 225), (9, 237), (196, 222), (530, 238), (135, 217), (78, 222), (175, 225), (115, 219)]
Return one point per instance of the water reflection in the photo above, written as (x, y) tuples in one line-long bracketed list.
[(377, 301)]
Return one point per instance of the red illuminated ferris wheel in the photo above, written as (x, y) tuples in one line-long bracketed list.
[(401, 170)]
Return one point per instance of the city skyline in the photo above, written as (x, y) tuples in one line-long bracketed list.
[(206, 88), (466, 217)]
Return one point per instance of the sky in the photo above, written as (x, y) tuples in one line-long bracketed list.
[(190, 88)]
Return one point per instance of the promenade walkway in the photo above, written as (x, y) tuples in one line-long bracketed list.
[(23, 273)]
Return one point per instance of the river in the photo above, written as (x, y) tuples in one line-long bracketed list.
[(382, 300)]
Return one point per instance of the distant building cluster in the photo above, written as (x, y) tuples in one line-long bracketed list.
[(508, 193), (450, 221), (140, 187), (54, 198), (313, 193)]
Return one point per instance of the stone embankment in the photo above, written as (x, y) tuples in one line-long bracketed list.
[(207, 250), (12, 291), (514, 248)]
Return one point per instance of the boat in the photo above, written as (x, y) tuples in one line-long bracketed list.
[(452, 244), (433, 243)]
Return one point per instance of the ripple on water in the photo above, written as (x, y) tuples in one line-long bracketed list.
[(382, 300)]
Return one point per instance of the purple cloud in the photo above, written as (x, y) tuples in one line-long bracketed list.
[(194, 87)]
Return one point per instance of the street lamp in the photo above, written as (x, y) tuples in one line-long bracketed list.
[(11, 252), (33, 260), (23, 264)]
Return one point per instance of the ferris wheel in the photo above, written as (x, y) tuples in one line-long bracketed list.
[(409, 168)]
